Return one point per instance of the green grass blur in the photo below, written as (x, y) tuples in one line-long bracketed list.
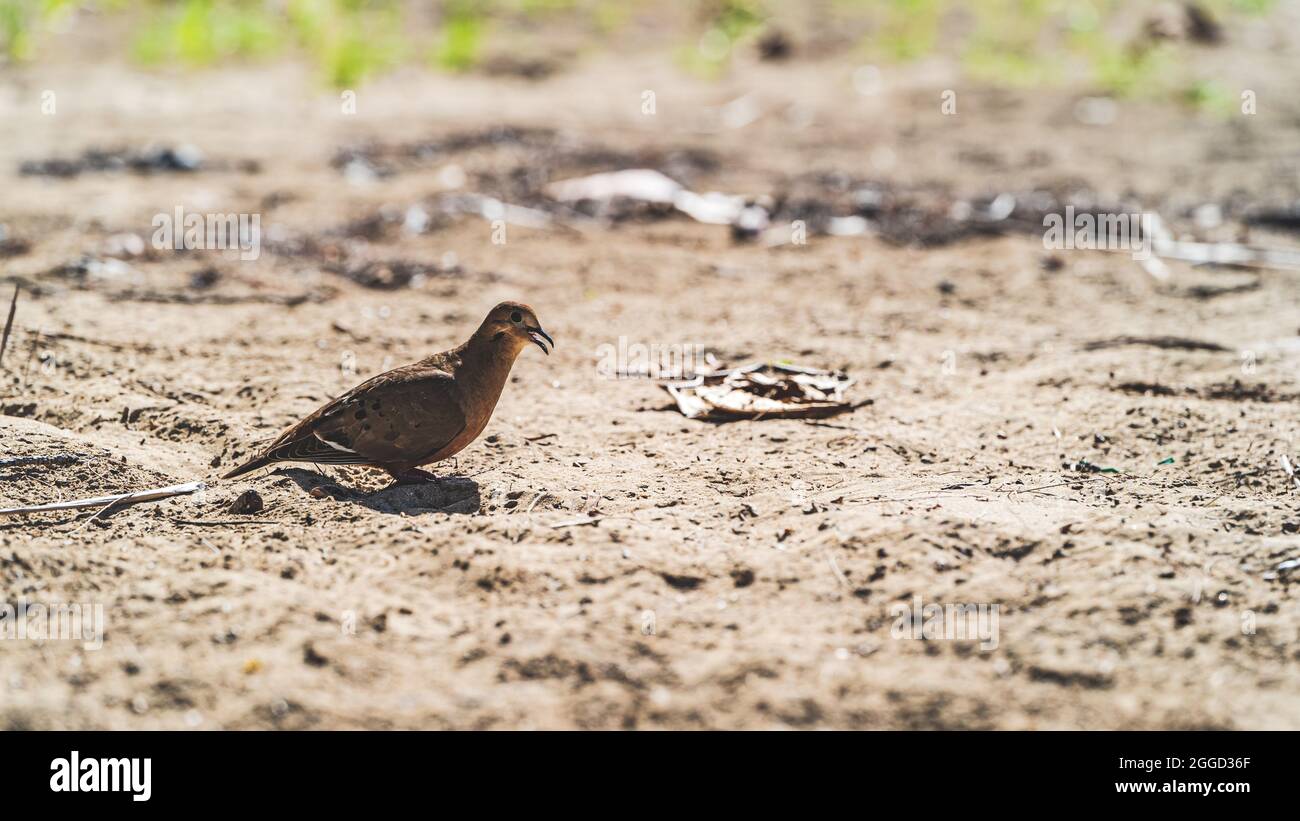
[(1014, 43)]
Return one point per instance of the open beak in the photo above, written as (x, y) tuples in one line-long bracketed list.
[(537, 335)]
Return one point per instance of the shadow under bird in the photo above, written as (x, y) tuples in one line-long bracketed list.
[(417, 414)]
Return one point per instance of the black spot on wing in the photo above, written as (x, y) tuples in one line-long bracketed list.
[(338, 437)]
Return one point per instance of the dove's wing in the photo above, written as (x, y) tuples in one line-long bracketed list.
[(397, 417)]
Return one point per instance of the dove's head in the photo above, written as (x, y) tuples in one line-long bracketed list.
[(515, 324)]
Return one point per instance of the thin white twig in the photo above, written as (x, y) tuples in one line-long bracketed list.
[(105, 501)]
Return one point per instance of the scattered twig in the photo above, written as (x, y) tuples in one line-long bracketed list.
[(49, 459), (1290, 470), (142, 347), (1167, 342), (812, 423), (1282, 569), (537, 498), (904, 500), (58, 491), (92, 517), (1152, 264), (287, 300), (1213, 291), (1227, 253), (1287, 217), (579, 522), (9, 323), (835, 568), (106, 501), (1055, 484), (31, 355), (223, 522)]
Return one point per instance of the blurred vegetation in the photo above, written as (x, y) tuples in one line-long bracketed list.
[(1025, 43), (18, 20), (460, 41), (726, 24)]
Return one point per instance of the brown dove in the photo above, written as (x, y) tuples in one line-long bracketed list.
[(416, 414)]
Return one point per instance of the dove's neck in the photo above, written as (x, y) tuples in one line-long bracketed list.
[(485, 367)]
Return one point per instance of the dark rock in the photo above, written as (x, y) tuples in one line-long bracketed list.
[(247, 503)]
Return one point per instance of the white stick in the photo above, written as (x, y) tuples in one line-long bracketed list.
[(1227, 253), (1290, 471), (103, 501)]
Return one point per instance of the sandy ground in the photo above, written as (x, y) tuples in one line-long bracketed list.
[(595, 560)]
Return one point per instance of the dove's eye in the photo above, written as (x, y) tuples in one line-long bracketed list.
[(516, 317)]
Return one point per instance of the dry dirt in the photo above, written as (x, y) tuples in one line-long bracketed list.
[(595, 560)]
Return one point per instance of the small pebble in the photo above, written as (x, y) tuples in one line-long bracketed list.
[(248, 502)]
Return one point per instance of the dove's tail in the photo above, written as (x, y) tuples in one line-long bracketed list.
[(249, 466)]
